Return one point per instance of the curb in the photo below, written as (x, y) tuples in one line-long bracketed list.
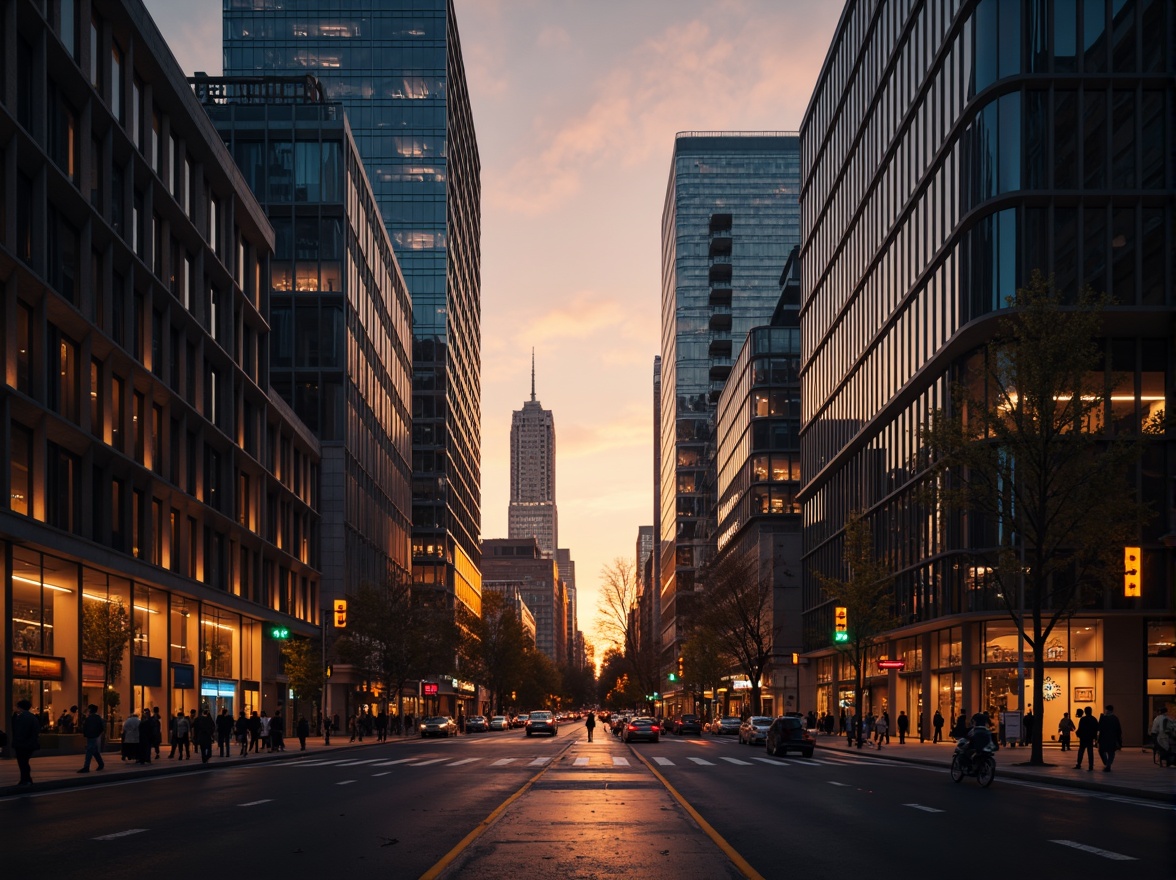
[(1012, 772)]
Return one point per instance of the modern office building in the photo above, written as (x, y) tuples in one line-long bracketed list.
[(566, 566), (153, 482), (341, 324), (514, 598), (731, 216), (757, 468), (521, 564), (532, 512), (397, 68), (654, 577), (949, 150)]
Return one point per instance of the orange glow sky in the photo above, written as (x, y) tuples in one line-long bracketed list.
[(576, 103)]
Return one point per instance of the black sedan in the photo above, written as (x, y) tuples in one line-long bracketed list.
[(788, 733), (645, 729), (685, 724), (477, 724)]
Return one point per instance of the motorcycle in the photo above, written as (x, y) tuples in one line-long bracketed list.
[(981, 765)]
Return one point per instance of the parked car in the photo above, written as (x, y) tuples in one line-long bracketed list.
[(754, 730), (520, 720), (728, 725), (542, 722), (499, 722), (788, 733), (439, 725), (641, 728), (477, 724), (685, 724)]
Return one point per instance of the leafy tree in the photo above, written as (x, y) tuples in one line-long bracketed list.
[(107, 629), (704, 662), (738, 617), (579, 685), (866, 595), (618, 622), (493, 649), (614, 688), (541, 681), (395, 637), (1031, 453), (303, 664)]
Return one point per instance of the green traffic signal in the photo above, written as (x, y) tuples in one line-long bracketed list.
[(673, 676), (277, 631), (841, 637)]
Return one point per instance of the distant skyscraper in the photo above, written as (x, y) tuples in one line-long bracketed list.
[(397, 68), (567, 574), (532, 512), (731, 217), (519, 563)]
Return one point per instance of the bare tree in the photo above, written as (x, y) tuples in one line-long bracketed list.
[(1035, 453), (493, 651), (618, 622)]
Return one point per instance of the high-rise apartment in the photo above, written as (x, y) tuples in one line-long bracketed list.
[(731, 216), (532, 512), (520, 563), (397, 68), (949, 150)]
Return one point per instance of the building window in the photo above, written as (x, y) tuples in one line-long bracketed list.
[(137, 513), (20, 470), (65, 380), (95, 66), (117, 413), (24, 348), (63, 489), (116, 82), (137, 426), (96, 395)]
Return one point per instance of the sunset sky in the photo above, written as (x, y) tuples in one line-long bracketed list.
[(576, 103)]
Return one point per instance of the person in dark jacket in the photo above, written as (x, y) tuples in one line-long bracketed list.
[(241, 731), (590, 725), (205, 731), (254, 731), (937, 723), (302, 730), (904, 726), (1110, 737), (146, 737), (92, 729), (224, 732), (277, 731), (157, 726), (26, 739), (1087, 734)]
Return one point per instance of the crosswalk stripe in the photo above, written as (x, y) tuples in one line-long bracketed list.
[(664, 762), (620, 762), (737, 761), (539, 762), (702, 761), (462, 761), (580, 762), (318, 763), (385, 773), (775, 761), (357, 763), (502, 762), (397, 761), (345, 782), (427, 763)]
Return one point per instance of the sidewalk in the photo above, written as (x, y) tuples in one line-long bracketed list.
[(1134, 773), (60, 771)]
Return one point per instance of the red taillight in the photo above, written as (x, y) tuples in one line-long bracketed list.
[(632, 727), (654, 728)]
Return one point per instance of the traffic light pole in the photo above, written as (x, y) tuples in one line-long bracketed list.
[(323, 701)]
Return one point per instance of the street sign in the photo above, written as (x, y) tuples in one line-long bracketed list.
[(1131, 574), (429, 688)]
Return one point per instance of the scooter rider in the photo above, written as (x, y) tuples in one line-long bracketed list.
[(978, 738)]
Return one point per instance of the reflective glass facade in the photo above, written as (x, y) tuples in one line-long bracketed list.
[(144, 462), (949, 150), (396, 66), (731, 216), (340, 318)]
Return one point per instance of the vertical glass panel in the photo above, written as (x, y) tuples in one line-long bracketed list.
[(987, 43), (1037, 15), (1123, 37), (1036, 242), (1008, 257), (20, 469), (1094, 148), (1152, 151), (1065, 250), (1123, 139), (1094, 249), (1009, 41), (1009, 152), (1065, 27), (1152, 274), (1123, 249), (1065, 167), (1036, 145), (1154, 34), (1094, 39)]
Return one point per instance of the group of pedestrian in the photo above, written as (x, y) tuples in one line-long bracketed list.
[(1106, 731)]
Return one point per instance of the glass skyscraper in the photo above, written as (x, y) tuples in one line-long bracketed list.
[(396, 66), (532, 512), (950, 149), (730, 219)]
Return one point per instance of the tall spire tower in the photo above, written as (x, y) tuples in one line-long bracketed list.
[(532, 511)]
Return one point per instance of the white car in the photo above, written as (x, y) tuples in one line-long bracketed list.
[(499, 722)]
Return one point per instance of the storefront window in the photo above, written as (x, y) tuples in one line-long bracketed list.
[(951, 649), (1084, 641), (219, 638), (1001, 643)]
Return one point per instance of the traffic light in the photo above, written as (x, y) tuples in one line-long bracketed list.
[(840, 624), (1132, 576), (329, 670), (340, 614), (278, 631), (673, 676), (795, 658)]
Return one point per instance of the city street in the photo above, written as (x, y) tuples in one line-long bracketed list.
[(409, 806)]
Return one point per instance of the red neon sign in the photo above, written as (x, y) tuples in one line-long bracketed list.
[(892, 664)]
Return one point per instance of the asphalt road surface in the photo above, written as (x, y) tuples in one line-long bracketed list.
[(565, 808)]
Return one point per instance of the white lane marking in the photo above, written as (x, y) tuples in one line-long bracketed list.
[(620, 762), (318, 763), (826, 763), (539, 762), (502, 762), (1105, 853), (580, 762), (774, 761), (357, 763), (427, 763), (255, 803), (397, 761), (840, 784), (1139, 803), (736, 761), (385, 773), (345, 782), (703, 762), (665, 762), (462, 761), (118, 834), (924, 809)]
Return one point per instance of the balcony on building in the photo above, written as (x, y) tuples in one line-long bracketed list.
[(720, 349), (720, 322), (720, 275), (720, 297)]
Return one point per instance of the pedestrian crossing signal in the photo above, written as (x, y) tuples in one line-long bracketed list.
[(277, 631), (340, 614), (1131, 572), (840, 624)]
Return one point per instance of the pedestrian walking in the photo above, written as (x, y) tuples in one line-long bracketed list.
[(1087, 734), (904, 726), (302, 731), (130, 738), (224, 733), (881, 731), (264, 733), (92, 729), (382, 726), (157, 729), (1065, 728), (26, 739), (277, 732), (937, 724), (241, 732), (147, 736), (886, 733), (254, 731), (204, 731), (1027, 724), (590, 724), (181, 737), (1163, 732), (1110, 737)]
